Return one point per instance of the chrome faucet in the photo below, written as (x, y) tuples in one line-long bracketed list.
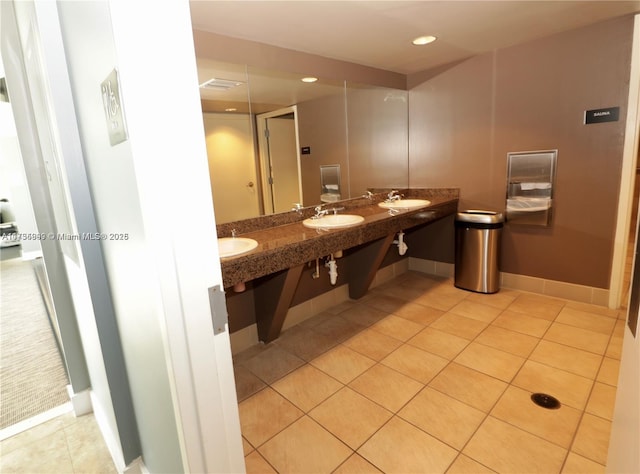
[(368, 195), (234, 233), (393, 196), (320, 212), (297, 207)]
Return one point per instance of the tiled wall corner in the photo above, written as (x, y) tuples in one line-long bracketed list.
[(421, 265), (600, 296)]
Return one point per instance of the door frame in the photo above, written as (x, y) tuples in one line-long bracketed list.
[(263, 154), (197, 361), (628, 175)]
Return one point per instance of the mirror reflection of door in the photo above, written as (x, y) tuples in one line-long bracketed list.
[(279, 160), (230, 148)]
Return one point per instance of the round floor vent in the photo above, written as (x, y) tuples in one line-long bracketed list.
[(545, 401)]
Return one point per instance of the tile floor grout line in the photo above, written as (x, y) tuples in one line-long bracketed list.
[(451, 360)]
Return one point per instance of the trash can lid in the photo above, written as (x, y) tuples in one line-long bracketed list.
[(480, 217)]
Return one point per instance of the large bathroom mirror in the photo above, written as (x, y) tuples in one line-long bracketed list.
[(274, 140)]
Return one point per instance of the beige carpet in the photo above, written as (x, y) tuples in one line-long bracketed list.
[(32, 376)]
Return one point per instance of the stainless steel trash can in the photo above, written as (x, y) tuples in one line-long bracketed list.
[(477, 251)]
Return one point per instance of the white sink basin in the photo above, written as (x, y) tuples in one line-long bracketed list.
[(231, 246), (405, 204), (333, 221)]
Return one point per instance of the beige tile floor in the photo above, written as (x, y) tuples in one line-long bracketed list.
[(65, 444), (420, 376)]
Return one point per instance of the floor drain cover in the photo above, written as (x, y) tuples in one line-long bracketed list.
[(545, 401)]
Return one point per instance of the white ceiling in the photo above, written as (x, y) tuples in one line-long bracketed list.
[(379, 33)]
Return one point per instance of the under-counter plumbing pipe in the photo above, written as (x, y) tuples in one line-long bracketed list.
[(333, 269), (402, 246), (315, 275)]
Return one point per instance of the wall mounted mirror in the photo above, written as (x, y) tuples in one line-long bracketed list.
[(269, 136)]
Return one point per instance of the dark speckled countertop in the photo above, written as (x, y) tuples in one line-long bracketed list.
[(283, 241)]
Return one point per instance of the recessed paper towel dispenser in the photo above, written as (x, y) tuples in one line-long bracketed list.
[(530, 185), (330, 183)]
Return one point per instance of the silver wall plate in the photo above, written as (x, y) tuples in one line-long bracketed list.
[(113, 108), (530, 187)]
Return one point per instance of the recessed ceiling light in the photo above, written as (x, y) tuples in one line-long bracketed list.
[(309, 79), (424, 40), (230, 109)]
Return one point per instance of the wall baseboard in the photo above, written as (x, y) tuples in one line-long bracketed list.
[(80, 401), (34, 421), (558, 289), (248, 336)]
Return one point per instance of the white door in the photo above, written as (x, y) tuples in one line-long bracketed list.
[(280, 161), (232, 166), (284, 162)]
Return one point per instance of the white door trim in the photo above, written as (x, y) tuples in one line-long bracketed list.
[(263, 154), (627, 181)]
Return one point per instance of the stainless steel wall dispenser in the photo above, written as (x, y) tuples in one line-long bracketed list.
[(530, 183), (330, 183)]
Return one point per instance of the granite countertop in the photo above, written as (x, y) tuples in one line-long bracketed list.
[(284, 242)]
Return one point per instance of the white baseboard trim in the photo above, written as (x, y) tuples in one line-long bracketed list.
[(31, 255), (34, 421), (80, 401), (558, 289), (136, 467)]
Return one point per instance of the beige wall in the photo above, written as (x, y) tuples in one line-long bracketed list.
[(464, 121), (378, 138), (466, 117), (322, 127), (238, 51), (231, 158)]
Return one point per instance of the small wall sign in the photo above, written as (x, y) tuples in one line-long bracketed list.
[(610, 114), (114, 113), (305, 150)]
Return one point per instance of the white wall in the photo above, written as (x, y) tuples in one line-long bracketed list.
[(231, 155), (32, 47), (181, 376), (624, 455), (91, 56)]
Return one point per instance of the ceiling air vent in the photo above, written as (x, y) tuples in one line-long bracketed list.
[(220, 84)]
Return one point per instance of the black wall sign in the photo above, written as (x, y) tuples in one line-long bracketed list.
[(610, 114), (305, 150)]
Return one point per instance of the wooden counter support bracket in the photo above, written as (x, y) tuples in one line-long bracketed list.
[(272, 301), (364, 265)]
